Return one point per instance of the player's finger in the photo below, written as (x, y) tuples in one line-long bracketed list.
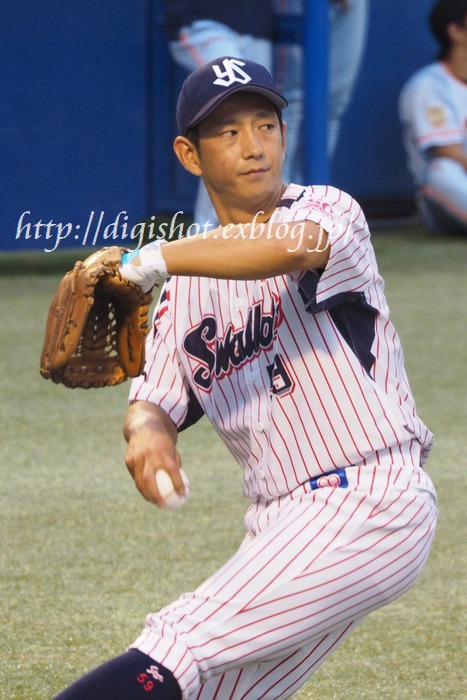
[(171, 465), (149, 486), (174, 472), (144, 474), (136, 464)]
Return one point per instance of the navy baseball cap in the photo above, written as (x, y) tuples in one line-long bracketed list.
[(208, 86)]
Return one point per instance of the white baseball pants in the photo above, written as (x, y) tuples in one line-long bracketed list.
[(313, 564)]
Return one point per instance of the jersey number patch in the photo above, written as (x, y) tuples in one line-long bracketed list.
[(281, 382)]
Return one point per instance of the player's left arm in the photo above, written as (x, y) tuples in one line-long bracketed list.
[(454, 151), (244, 251)]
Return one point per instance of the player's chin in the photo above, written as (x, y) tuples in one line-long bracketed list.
[(259, 181)]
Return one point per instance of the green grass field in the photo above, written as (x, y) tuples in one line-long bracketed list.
[(84, 557)]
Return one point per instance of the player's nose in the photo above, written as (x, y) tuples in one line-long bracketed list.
[(252, 146)]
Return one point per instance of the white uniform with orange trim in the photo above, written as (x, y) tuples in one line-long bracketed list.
[(433, 111), (302, 376)]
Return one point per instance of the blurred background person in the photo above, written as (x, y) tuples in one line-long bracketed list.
[(348, 26), (433, 111), (201, 30)]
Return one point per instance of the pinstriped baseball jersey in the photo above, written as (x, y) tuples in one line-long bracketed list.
[(300, 374)]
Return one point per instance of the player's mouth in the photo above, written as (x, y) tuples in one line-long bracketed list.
[(255, 172)]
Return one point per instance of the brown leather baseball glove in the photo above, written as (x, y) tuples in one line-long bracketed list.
[(96, 326)]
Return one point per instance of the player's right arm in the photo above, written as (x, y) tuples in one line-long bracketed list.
[(152, 437), (454, 151)]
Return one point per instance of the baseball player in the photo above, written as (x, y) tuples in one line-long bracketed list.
[(433, 110), (275, 326)]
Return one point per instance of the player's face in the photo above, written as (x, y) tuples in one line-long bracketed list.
[(241, 152)]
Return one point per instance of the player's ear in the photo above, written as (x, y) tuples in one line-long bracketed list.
[(187, 154), (454, 32), (284, 136)]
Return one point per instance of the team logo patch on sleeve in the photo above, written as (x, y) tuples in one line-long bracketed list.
[(436, 115)]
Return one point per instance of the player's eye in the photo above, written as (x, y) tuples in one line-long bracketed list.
[(228, 132)]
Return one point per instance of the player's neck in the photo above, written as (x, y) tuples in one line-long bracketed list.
[(457, 63), (259, 211)]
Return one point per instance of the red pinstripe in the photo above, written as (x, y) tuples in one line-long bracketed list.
[(304, 673), (310, 377), (258, 621)]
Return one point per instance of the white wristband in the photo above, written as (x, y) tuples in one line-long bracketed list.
[(152, 268)]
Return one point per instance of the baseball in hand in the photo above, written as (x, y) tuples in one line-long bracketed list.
[(172, 499)]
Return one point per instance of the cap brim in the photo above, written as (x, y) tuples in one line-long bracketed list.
[(276, 98)]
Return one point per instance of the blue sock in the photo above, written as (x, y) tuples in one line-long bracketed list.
[(131, 676)]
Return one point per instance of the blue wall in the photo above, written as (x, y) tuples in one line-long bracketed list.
[(72, 115), (86, 118)]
